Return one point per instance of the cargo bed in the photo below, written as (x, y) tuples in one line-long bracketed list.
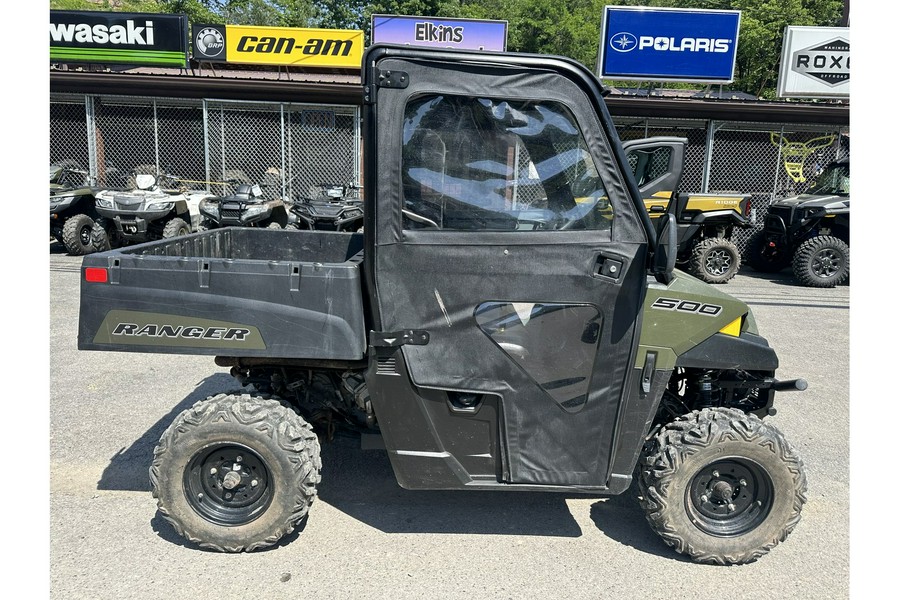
[(237, 291)]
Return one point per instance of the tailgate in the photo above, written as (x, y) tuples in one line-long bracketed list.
[(242, 292)]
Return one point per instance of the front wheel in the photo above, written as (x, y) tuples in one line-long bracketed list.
[(721, 486), (76, 235), (175, 228), (715, 260), (236, 472), (822, 262)]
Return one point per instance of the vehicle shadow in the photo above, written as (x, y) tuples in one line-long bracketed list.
[(128, 469)]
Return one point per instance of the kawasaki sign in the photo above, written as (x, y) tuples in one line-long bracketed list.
[(815, 63), (121, 38), (668, 44)]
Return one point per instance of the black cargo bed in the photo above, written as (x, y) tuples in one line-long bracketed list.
[(238, 291)]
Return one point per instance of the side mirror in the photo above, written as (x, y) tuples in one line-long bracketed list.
[(666, 249)]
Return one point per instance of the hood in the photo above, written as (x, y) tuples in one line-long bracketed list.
[(833, 201)]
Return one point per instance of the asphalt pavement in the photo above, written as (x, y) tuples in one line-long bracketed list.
[(368, 538)]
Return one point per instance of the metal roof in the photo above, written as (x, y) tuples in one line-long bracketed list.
[(344, 87)]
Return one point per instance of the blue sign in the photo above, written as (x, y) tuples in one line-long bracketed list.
[(669, 44), (463, 34)]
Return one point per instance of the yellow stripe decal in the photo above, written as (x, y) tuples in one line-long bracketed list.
[(733, 328)]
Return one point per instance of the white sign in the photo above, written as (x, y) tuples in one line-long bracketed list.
[(815, 63)]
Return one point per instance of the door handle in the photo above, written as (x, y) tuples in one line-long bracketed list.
[(608, 267)]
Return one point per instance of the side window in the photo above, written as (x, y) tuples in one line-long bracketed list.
[(650, 164), (487, 164)]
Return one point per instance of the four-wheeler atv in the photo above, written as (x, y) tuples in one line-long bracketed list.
[(72, 212), (248, 206), (152, 210), (336, 208), (809, 232), (706, 222)]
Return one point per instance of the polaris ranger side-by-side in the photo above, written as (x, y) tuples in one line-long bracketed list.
[(494, 344)]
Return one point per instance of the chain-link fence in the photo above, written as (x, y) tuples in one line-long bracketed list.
[(293, 149), (767, 161), (290, 149)]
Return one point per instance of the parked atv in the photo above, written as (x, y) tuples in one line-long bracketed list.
[(157, 207), (248, 206), (72, 211), (809, 232), (706, 222), (337, 208)]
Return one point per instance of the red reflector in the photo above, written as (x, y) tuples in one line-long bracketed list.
[(771, 244), (95, 275)]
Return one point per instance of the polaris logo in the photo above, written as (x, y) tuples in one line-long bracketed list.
[(429, 32), (238, 334), (128, 34), (670, 44), (286, 45)]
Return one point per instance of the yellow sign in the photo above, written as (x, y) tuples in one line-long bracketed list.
[(293, 46)]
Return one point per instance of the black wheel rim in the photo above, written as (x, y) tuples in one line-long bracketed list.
[(718, 262), (729, 497), (85, 235), (228, 484), (827, 263)]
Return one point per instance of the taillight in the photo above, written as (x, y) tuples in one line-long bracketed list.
[(96, 275)]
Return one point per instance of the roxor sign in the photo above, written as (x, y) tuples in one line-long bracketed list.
[(815, 63), (278, 45), (113, 37)]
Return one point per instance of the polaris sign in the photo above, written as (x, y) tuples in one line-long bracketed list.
[(668, 44)]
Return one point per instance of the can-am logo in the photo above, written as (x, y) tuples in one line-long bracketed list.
[(210, 42), (828, 62), (100, 33), (626, 42)]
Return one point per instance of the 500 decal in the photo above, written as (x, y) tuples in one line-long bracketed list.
[(687, 306)]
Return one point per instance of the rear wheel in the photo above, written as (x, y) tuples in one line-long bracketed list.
[(236, 472), (715, 260), (822, 261), (76, 235), (721, 486), (763, 257), (176, 227)]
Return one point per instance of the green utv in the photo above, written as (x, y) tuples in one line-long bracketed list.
[(72, 212), (509, 319)]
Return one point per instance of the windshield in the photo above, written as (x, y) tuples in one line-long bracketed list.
[(834, 180)]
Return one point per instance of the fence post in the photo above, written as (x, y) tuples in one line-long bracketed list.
[(159, 168), (283, 170), (777, 169), (707, 167), (208, 176), (90, 124)]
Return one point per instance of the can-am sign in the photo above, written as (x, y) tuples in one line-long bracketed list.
[(667, 44), (815, 63), (290, 46), (463, 34), (118, 38)]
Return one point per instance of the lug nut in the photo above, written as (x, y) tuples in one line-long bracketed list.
[(239, 459), (213, 471), (715, 474), (704, 498), (743, 482), (731, 508), (254, 483)]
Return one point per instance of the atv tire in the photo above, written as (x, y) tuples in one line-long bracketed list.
[(760, 258), (175, 228), (715, 260), (236, 472), (721, 486), (76, 235), (274, 225), (104, 235), (822, 262)]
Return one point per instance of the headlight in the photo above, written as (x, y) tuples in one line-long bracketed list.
[(61, 199), (104, 202), (161, 206)]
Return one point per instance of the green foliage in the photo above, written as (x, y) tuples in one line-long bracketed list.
[(148, 6)]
